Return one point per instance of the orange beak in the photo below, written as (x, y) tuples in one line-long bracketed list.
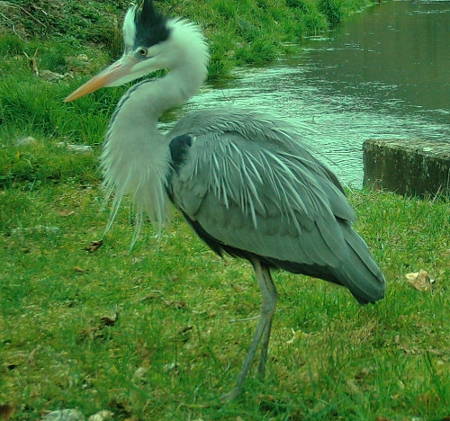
[(107, 77)]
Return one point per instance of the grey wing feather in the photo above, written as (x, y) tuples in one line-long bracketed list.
[(253, 187), (253, 199)]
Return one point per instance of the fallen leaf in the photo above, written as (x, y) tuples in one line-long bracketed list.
[(93, 246), (66, 212), (98, 332), (6, 412), (179, 305), (420, 280), (109, 321), (153, 294), (362, 374), (381, 419), (185, 334)]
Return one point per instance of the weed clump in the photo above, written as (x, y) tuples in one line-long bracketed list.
[(11, 45), (332, 9)]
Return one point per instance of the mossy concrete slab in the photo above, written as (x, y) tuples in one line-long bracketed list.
[(407, 166)]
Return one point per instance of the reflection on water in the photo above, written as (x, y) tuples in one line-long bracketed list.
[(385, 73)]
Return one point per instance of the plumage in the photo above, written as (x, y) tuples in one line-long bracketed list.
[(243, 180)]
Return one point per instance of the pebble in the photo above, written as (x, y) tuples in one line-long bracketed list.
[(65, 415)]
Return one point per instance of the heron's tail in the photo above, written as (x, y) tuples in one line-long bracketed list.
[(361, 274)]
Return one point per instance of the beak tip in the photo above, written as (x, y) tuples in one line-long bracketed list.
[(73, 96)]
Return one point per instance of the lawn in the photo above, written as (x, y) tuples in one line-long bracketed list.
[(159, 332)]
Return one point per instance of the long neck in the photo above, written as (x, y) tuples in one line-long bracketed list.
[(135, 159)]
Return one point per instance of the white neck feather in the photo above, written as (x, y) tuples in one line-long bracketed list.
[(136, 156)]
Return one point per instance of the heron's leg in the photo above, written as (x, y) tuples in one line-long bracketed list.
[(266, 335), (269, 296)]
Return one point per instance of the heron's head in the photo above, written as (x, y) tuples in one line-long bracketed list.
[(151, 42)]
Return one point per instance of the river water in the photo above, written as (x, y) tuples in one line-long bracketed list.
[(384, 73)]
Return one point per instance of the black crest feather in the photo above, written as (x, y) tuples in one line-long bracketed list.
[(151, 26)]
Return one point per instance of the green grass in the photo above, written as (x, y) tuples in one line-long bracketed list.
[(175, 303)]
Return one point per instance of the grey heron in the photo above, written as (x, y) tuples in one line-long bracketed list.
[(243, 180)]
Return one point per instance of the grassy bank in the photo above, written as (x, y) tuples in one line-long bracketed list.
[(157, 333), (240, 32)]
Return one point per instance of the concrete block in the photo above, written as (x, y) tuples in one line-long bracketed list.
[(407, 166)]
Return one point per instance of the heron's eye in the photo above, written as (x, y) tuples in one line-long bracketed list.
[(142, 52)]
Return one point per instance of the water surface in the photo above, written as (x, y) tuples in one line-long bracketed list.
[(385, 73)]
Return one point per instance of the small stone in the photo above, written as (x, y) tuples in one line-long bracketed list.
[(65, 415), (101, 416)]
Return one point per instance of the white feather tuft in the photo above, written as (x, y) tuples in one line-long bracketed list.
[(135, 161), (129, 28)]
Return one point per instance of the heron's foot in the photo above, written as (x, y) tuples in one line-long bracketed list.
[(231, 395)]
